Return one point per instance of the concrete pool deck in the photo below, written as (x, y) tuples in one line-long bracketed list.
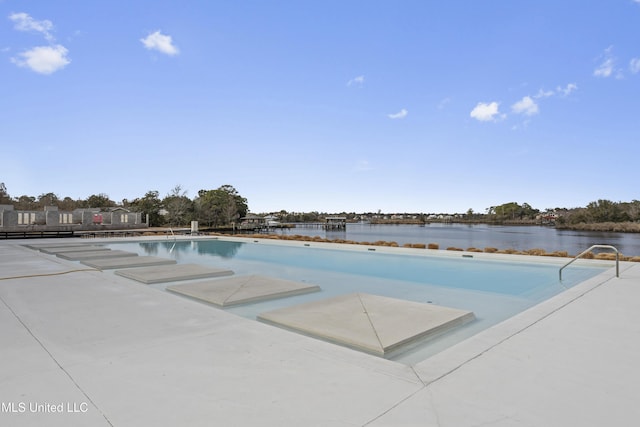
[(109, 351)]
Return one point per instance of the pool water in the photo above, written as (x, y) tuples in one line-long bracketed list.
[(493, 289)]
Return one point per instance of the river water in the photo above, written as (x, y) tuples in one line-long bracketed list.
[(479, 236)]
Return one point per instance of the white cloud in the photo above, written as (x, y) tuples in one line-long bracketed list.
[(356, 81), (43, 59), (606, 68), (485, 112), (24, 22), (526, 106), (161, 43), (567, 89), (544, 94), (564, 91), (634, 64), (399, 115)]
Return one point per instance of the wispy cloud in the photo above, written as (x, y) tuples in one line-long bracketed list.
[(160, 42), (560, 90), (399, 115), (606, 67), (526, 106), (485, 112), (634, 64), (43, 59), (566, 91), (356, 81), (24, 22), (544, 94)]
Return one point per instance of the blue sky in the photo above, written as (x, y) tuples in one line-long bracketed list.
[(399, 106)]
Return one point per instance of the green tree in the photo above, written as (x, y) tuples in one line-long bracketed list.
[(605, 211), (178, 206), (526, 211), (150, 205), (68, 204), (310, 217), (4, 196), (221, 206), (632, 209), (26, 203), (47, 199), (512, 211), (99, 201)]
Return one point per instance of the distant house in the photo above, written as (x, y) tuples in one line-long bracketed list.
[(271, 220), (50, 219), (252, 222), (547, 217)]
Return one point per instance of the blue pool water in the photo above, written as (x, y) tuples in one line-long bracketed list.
[(494, 290)]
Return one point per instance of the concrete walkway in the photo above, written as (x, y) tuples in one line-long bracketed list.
[(82, 347)]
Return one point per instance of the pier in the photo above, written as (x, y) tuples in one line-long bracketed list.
[(331, 223)]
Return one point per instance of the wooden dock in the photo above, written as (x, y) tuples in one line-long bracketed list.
[(332, 223)]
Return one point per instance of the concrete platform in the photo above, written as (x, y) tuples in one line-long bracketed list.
[(172, 273), (56, 244), (371, 323), (63, 249), (127, 262), (82, 256), (242, 290)]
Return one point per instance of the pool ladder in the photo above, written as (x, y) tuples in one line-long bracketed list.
[(174, 240), (589, 250)]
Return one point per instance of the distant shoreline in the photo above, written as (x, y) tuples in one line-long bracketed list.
[(614, 227)]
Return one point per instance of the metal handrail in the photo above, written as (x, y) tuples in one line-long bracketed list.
[(174, 240), (589, 250)]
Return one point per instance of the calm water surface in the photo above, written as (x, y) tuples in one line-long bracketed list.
[(480, 236)]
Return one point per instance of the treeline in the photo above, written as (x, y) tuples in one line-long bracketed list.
[(224, 205), (211, 208), (602, 211)]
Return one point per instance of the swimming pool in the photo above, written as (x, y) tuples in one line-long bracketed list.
[(494, 289)]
